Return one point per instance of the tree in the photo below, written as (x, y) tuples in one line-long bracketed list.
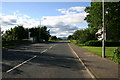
[(19, 32), (94, 18), (44, 33), (69, 37), (16, 33), (83, 35), (112, 18), (59, 38), (53, 38), (7, 36), (40, 33)]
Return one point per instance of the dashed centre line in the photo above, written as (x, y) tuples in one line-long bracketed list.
[(20, 64), (52, 46), (44, 51), (27, 60)]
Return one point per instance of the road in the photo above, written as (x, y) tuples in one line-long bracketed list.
[(44, 60)]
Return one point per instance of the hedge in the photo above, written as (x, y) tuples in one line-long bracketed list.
[(99, 43), (14, 42)]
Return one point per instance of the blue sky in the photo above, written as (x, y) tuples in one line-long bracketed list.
[(63, 18)]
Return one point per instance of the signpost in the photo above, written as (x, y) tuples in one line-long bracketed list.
[(103, 40), (39, 28)]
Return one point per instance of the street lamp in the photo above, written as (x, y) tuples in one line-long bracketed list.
[(103, 40), (41, 26)]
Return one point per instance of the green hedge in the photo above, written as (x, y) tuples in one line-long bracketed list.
[(7, 44), (99, 43)]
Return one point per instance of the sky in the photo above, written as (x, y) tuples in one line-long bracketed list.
[(62, 18)]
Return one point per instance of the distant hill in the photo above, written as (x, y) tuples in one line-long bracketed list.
[(63, 37)]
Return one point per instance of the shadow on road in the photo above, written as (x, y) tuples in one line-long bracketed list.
[(14, 58), (49, 60), (44, 60), (60, 42)]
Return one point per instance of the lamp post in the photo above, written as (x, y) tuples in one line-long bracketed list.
[(29, 35), (40, 26), (103, 40)]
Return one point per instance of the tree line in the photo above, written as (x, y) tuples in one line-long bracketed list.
[(20, 33), (94, 20)]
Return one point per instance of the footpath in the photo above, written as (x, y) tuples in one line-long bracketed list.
[(101, 68)]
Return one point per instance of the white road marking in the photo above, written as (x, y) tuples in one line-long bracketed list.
[(52, 46), (23, 62), (44, 51), (82, 62), (20, 64), (27, 60)]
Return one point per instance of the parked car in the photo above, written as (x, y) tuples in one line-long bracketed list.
[(42, 40)]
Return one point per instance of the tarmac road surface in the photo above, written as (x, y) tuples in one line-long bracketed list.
[(42, 60)]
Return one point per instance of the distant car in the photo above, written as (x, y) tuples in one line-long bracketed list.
[(42, 40)]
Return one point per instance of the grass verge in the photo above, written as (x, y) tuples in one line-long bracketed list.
[(97, 50)]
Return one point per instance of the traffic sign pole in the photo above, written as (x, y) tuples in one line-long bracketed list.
[(103, 40)]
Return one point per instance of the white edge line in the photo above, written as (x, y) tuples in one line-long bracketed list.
[(20, 64), (82, 62)]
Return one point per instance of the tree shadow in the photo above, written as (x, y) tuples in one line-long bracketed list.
[(57, 42), (52, 60), (43, 60), (6, 67)]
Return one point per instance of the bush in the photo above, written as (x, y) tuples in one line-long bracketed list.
[(116, 57), (99, 43), (112, 43), (8, 44), (93, 43)]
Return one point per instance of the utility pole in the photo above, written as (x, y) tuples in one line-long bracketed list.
[(39, 31), (29, 35), (40, 26), (103, 40)]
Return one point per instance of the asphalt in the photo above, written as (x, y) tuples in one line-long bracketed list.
[(53, 60), (101, 68)]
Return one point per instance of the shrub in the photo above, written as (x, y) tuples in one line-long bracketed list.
[(116, 57), (93, 43), (112, 43), (99, 43)]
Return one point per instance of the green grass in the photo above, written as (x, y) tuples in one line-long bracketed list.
[(109, 51), (52, 40), (98, 51)]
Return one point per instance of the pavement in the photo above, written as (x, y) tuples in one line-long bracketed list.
[(101, 68)]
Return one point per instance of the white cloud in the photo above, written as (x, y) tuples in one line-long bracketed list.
[(59, 26), (9, 21), (66, 23), (71, 10), (71, 19), (77, 8)]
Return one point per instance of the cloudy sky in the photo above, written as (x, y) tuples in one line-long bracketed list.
[(62, 18)]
